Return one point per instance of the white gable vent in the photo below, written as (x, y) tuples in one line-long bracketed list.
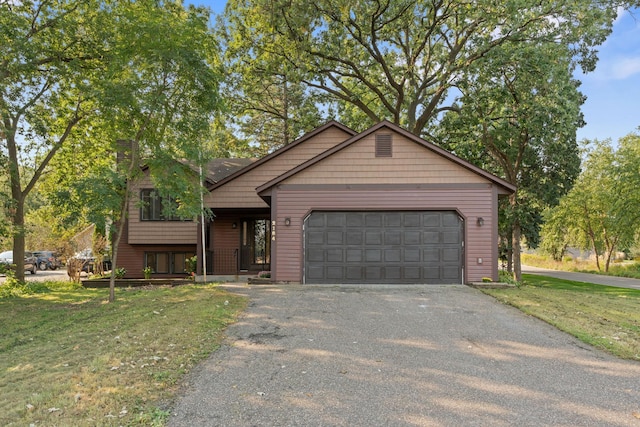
[(383, 145)]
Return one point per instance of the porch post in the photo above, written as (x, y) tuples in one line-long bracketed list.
[(199, 247)]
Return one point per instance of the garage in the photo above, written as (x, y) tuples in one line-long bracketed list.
[(390, 247)]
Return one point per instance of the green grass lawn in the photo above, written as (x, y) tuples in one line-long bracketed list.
[(621, 269), (603, 316), (69, 358)]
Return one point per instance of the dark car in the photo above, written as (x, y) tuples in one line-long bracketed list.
[(47, 260), (30, 261), (89, 261)]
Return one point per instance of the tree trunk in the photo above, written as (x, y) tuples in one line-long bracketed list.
[(16, 207), (517, 266), (124, 208), (516, 235), (18, 237)]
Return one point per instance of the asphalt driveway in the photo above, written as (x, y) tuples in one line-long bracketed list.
[(402, 356)]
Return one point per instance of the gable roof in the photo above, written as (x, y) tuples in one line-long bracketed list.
[(219, 169), (281, 150), (510, 188)]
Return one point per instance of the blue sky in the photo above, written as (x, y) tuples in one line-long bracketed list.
[(612, 109)]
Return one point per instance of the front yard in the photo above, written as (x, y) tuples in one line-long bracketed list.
[(603, 316), (69, 358)]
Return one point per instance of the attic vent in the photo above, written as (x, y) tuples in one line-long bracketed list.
[(383, 145)]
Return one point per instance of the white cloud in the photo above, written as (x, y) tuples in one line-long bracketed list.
[(625, 67)]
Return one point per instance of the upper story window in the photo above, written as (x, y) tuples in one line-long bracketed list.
[(153, 205)]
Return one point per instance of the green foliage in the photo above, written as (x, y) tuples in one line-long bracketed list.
[(15, 288), (120, 272), (601, 212), (400, 60), (190, 264)]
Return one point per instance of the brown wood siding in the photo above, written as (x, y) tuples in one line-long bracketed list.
[(131, 258), (410, 163), (241, 192), (157, 232), (226, 244), (471, 203)]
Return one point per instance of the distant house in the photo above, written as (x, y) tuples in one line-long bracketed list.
[(335, 206)]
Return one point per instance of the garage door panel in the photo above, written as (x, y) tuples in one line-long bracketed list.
[(431, 237), (335, 238), (431, 255), (393, 219), (354, 255), (315, 221), (392, 255), (373, 255), (373, 273), (383, 247), (315, 238), (316, 254), (373, 237), (354, 237), (431, 219), (412, 237), (355, 219), (335, 255), (336, 220), (354, 273), (393, 273), (451, 255), (431, 273), (392, 237), (315, 272), (450, 219), (412, 273), (451, 236), (411, 220), (412, 255), (373, 220)]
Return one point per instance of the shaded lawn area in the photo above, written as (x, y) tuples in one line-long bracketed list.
[(603, 316), (69, 358)]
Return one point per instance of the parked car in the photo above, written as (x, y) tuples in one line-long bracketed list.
[(89, 261), (30, 261), (47, 260)]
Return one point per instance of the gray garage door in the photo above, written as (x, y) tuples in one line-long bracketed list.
[(383, 247)]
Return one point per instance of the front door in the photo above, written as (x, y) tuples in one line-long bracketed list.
[(255, 245)]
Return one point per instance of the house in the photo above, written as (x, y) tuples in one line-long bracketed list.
[(335, 206)]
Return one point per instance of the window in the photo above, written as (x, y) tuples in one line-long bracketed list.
[(383, 145), (153, 205), (167, 262)]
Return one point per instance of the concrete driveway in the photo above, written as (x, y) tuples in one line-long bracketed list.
[(402, 356)]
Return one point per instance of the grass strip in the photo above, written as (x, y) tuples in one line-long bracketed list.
[(605, 317), (69, 358)]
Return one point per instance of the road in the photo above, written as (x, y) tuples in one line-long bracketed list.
[(620, 282)]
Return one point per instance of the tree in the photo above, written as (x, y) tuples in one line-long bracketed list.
[(155, 107), (49, 55), (399, 60), (518, 118), (600, 212), (266, 100)]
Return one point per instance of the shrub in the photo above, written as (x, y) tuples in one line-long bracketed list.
[(120, 272)]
